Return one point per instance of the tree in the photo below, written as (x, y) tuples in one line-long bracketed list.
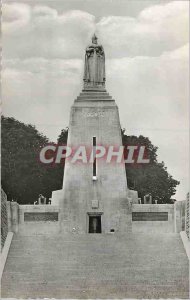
[(149, 178), (62, 138), (59, 168), (23, 176)]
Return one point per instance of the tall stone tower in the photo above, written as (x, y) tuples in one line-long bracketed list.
[(94, 197)]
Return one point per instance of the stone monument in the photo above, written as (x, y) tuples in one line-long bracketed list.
[(95, 196)]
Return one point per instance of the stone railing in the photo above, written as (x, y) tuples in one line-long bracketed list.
[(187, 217), (4, 218)]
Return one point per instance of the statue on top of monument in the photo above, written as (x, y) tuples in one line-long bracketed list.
[(94, 68)]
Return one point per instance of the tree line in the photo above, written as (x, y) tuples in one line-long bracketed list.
[(24, 177)]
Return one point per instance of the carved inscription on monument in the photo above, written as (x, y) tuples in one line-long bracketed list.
[(41, 216), (150, 216), (94, 114)]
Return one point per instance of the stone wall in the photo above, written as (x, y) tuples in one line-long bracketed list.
[(4, 218), (45, 219), (156, 218), (187, 217), (34, 219)]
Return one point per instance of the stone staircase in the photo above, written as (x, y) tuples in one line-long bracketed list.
[(94, 96), (96, 266)]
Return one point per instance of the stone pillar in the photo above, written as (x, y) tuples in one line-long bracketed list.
[(14, 216), (177, 217), (148, 199)]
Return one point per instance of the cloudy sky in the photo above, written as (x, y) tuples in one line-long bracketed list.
[(146, 46)]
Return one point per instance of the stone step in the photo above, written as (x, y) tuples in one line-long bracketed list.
[(94, 101), (94, 93), (96, 266), (91, 99), (86, 97), (95, 90), (95, 97), (92, 96)]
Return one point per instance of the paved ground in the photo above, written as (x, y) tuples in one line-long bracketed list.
[(96, 266)]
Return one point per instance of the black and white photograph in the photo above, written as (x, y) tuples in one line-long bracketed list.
[(95, 149)]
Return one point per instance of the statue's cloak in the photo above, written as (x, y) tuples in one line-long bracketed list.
[(94, 69)]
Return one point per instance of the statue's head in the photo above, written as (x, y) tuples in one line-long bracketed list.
[(94, 39)]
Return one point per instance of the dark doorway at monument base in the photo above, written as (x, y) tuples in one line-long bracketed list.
[(95, 225)]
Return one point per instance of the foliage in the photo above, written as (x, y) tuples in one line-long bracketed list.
[(149, 178), (23, 176), (62, 138)]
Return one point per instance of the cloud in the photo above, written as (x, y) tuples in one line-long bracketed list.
[(43, 66), (156, 29), (15, 17), (44, 12), (41, 32), (41, 91), (158, 13), (181, 53)]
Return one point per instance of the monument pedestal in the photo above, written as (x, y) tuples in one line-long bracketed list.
[(103, 197)]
